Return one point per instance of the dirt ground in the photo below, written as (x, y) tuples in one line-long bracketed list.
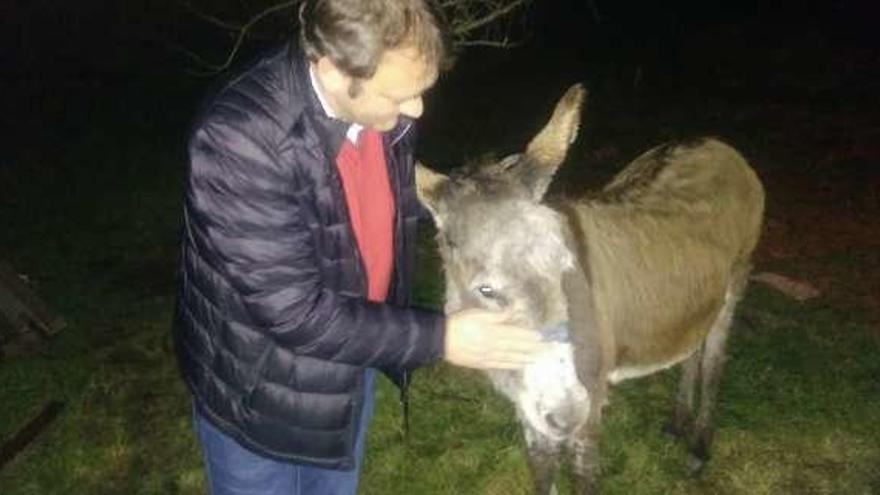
[(822, 145), (804, 106), (827, 230)]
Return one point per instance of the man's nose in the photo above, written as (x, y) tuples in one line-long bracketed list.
[(412, 108)]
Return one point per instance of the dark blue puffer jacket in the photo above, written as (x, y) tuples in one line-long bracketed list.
[(272, 327)]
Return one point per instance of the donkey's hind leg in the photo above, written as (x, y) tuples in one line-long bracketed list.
[(683, 415), (543, 453), (711, 367)]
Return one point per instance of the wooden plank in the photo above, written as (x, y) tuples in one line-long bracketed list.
[(12, 317), (18, 304), (27, 434)]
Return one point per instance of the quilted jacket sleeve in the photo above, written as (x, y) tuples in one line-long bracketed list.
[(247, 226)]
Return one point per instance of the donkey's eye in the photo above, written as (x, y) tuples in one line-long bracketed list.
[(486, 291)]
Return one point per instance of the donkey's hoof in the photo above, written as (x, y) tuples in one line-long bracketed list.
[(698, 456), (695, 466), (672, 431)]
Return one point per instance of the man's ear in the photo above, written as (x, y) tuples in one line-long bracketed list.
[(430, 186), (332, 79)]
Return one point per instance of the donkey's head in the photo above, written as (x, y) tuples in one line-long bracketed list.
[(501, 247)]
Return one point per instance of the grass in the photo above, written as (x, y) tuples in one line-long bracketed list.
[(798, 415), (94, 226)]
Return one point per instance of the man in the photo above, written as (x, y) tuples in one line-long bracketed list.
[(297, 249)]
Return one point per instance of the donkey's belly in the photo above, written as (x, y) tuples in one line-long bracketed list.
[(629, 371), (548, 395)]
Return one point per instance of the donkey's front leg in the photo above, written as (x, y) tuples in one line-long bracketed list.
[(543, 453), (585, 448)]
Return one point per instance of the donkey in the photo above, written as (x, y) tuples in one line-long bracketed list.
[(637, 277)]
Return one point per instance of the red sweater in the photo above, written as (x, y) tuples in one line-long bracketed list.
[(370, 207)]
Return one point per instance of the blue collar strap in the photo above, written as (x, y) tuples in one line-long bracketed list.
[(556, 333)]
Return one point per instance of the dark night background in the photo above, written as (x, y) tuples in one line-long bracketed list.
[(96, 101), (67, 67), (789, 82), (66, 64)]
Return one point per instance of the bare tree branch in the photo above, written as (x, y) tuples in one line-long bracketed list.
[(197, 60), (473, 23), (500, 11), (243, 32), (211, 19), (489, 43)]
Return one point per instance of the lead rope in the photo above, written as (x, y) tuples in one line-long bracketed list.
[(404, 404)]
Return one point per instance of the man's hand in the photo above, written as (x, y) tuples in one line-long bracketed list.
[(481, 339)]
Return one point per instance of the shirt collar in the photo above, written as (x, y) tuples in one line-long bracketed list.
[(354, 130)]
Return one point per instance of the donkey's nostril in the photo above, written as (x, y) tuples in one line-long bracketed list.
[(551, 420)]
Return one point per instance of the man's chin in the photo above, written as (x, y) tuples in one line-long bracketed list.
[(385, 126)]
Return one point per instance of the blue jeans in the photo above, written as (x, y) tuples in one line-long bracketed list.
[(234, 470)]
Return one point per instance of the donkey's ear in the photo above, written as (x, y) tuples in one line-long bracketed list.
[(547, 150), (429, 187)]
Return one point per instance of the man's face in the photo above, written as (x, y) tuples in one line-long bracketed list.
[(396, 88)]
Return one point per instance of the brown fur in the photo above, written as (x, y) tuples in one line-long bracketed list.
[(688, 226)]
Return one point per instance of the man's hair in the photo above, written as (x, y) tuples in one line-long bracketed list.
[(355, 33)]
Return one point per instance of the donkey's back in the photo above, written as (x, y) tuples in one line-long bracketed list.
[(704, 180), (670, 236)]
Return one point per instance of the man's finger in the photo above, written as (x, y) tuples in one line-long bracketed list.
[(520, 335), (526, 348), (522, 358)]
